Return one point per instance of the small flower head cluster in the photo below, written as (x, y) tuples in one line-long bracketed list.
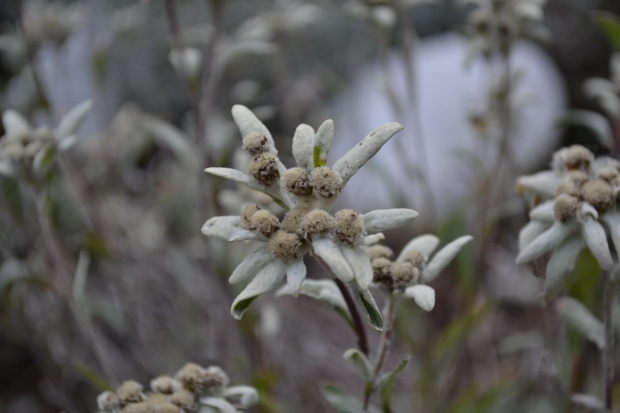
[(405, 274), (192, 388), (575, 206), (27, 152), (307, 191), (496, 24)]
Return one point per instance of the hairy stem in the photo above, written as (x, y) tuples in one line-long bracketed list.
[(384, 346), (608, 351)]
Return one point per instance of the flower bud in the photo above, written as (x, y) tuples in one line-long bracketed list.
[(293, 218), (130, 392), (255, 143), (325, 181), (349, 226), (165, 385), (381, 271), (579, 178), (565, 208), (608, 173), (297, 181), (402, 273), (108, 402), (216, 377), (317, 222), (568, 188), (264, 167), (575, 157), (599, 194), (264, 223), (167, 408), (246, 216), (192, 377), (185, 400), (379, 251), (138, 408), (415, 258), (156, 399), (285, 245)]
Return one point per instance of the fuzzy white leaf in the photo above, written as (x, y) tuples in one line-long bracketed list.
[(530, 232), (247, 396), (443, 258), (353, 160), (70, 123), (331, 254), (374, 239), (612, 221), (251, 264), (384, 219), (226, 228), (359, 262), (218, 403), (323, 141), (423, 295), (303, 146), (295, 276), (425, 244), (541, 183), (545, 242), (595, 237), (561, 264), (361, 361), (582, 320), (543, 212), (14, 123), (265, 280), (247, 123)]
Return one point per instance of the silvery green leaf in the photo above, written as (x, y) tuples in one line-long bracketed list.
[(357, 156), (251, 265), (66, 143), (374, 239), (541, 183), (582, 320), (545, 242), (612, 220), (218, 403), (331, 254), (530, 232), (322, 143), (295, 276), (423, 295), (247, 123), (44, 158), (70, 123), (173, 138), (303, 146), (243, 178), (425, 244), (595, 237), (588, 401), (561, 264), (361, 362), (593, 121), (226, 228), (267, 278), (14, 123), (367, 306), (387, 385), (247, 396), (384, 219), (443, 258), (359, 262), (543, 212)]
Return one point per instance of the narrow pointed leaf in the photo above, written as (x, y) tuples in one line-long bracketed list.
[(353, 160), (245, 179), (384, 219), (545, 242), (561, 264), (251, 265), (425, 244), (443, 258), (596, 238), (14, 123), (530, 232), (543, 212), (367, 306), (265, 280), (331, 254), (423, 295), (303, 146), (322, 142), (247, 396), (226, 228), (361, 362), (541, 183), (247, 123), (360, 265), (70, 123), (295, 276), (582, 320), (387, 385)]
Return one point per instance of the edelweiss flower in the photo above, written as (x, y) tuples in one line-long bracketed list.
[(24, 150), (407, 275), (307, 191), (579, 211)]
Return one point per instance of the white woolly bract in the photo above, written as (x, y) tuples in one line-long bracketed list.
[(443, 258), (530, 231), (303, 146), (227, 228), (246, 395), (359, 262), (543, 212), (220, 404), (331, 254), (251, 264), (324, 290), (581, 319), (249, 181), (425, 244), (374, 239), (611, 220), (14, 123), (247, 123), (267, 278), (295, 276), (384, 219), (357, 156), (423, 295), (595, 237), (561, 264), (323, 139), (72, 120), (541, 183), (546, 241)]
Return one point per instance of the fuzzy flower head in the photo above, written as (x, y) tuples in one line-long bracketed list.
[(26, 152), (576, 208), (193, 388), (306, 192)]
